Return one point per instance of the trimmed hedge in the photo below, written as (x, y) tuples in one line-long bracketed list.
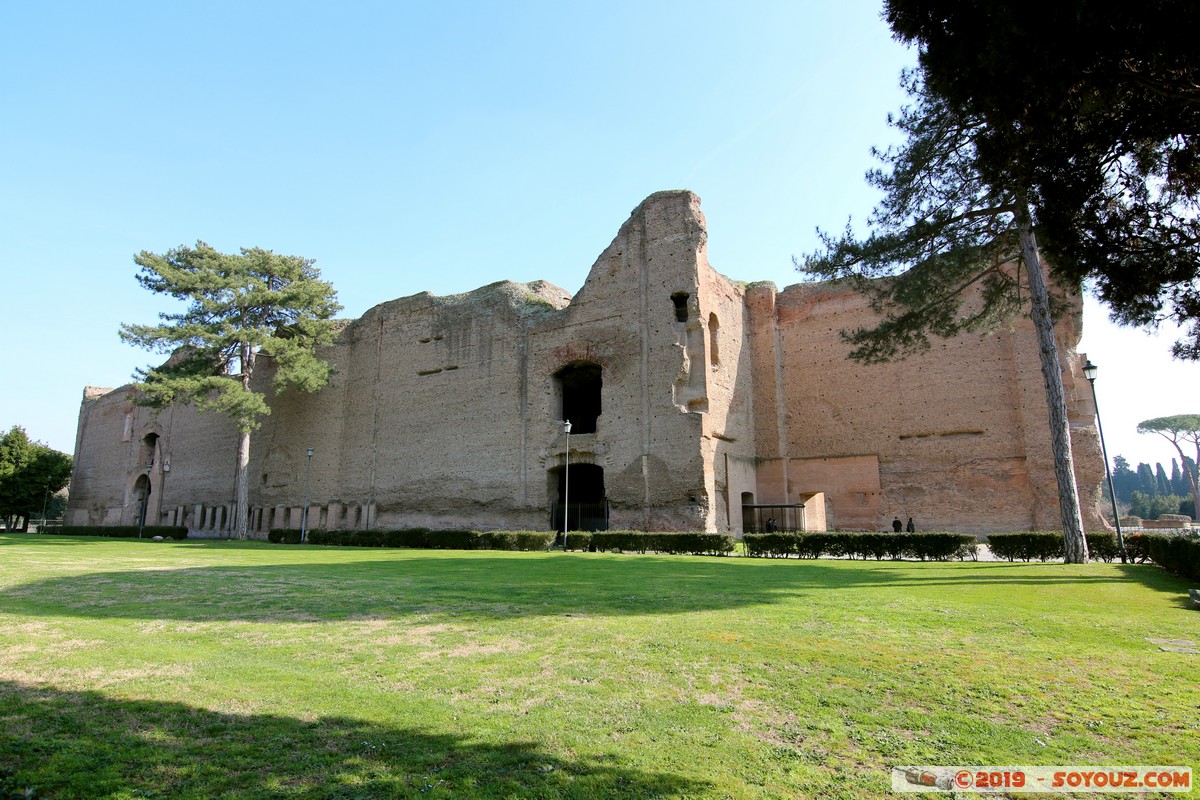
[(674, 543), (1137, 548), (576, 540), (1103, 545), (1178, 553), (516, 540), (427, 539), (926, 546), (1049, 545), (124, 531)]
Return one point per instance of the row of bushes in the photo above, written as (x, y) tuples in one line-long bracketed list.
[(422, 538), (690, 543), (1178, 553), (1049, 545), (926, 546), (124, 531), (599, 541)]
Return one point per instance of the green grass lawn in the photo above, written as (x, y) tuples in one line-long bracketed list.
[(245, 670)]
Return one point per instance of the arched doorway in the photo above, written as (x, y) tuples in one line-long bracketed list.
[(588, 509), (141, 500)]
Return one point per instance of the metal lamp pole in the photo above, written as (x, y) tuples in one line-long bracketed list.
[(145, 500), (45, 502), (1089, 372), (566, 483), (304, 512)]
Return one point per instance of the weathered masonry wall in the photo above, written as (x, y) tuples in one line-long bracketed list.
[(958, 436), (691, 396)]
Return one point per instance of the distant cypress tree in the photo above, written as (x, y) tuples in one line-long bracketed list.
[(1161, 479), (1178, 484), (1147, 485), (1125, 480)]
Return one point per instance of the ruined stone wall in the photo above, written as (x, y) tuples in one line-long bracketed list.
[(447, 412), (656, 389), (960, 433)]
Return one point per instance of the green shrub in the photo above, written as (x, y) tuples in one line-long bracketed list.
[(124, 531), (926, 546), (697, 543), (284, 536), (452, 539), (1027, 545), (776, 545), (431, 539), (940, 545), (1050, 545), (620, 541), (406, 537), (577, 540), (516, 540), (1178, 553), (1137, 549), (1103, 545)]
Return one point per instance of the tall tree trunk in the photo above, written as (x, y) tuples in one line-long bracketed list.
[(241, 525), (1195, 480), (1188, 476), (1060, 432)]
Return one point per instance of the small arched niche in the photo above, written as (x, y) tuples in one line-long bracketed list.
[(149, 450), (579, 389)]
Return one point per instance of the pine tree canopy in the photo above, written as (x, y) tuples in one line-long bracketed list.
[(1094, 107), (238, 306), (944, 235)]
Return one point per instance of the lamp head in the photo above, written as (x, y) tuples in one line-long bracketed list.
[(310, 452), (1090, 370), (567, 426)]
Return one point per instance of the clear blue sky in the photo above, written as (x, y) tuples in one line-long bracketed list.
[(434, 146)]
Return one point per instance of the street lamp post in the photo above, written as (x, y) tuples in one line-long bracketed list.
[(45, 503), (304, 512), (566, 483), (145, 501), (1089, 372)]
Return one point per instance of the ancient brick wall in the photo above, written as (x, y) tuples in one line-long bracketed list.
[(447, 412), (960, 432)]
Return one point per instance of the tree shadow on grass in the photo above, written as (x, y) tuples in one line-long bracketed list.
[(45, 539), (490, 585), (86, 745), (466, 585), (1016, 573)]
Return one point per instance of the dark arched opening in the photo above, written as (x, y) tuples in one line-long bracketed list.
[(588, 509), (141, 495), (579, 386), (149, 450)]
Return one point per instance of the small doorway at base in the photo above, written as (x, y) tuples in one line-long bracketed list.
[(588, 504), (770, 518), (141, 494)]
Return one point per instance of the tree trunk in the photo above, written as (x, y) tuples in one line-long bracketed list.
[(241, 526), (242, 494), (1195, 481), (1060, 432), (1188, 476)]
